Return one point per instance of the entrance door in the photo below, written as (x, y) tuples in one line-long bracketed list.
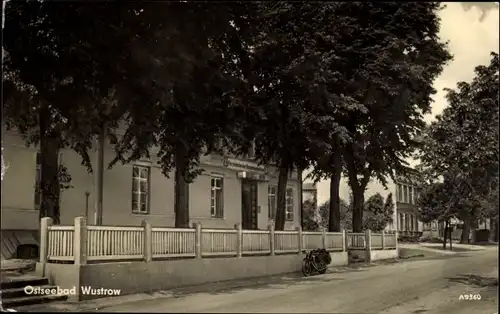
[(249, 207)]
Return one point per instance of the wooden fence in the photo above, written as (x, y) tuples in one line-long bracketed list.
[(84, 243)]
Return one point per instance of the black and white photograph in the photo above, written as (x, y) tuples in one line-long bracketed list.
[(249, 157)]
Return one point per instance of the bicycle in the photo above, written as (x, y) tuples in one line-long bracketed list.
[(316, 261)]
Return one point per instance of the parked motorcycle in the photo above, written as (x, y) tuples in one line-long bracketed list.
[(316, 261)]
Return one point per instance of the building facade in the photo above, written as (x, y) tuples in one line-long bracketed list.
[(406, 200), (230, 190)]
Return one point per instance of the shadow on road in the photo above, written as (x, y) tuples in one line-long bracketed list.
[(280, 281), (487, 286), (474, 280), (273, 282)]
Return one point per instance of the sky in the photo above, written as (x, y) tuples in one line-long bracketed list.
[(472, 31)]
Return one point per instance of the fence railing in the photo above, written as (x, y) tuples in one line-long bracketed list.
[(81, 243)]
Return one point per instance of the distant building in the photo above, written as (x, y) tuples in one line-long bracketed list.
[(406, 196)]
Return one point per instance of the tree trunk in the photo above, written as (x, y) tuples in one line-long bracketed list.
[(358, 196), (464, 237), (49, 181), (495, 230), (301, 200), (358, 189), (493, 234), (450, 231), (445, 234), (334, 219), (279, 222), (181, 206)]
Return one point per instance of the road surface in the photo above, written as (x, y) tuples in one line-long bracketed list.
[(419, 286)]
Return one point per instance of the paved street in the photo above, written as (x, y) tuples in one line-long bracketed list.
[(420, 286)]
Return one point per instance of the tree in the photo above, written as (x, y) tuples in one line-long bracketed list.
[(378, 212), (462, 145), (392, 55), (294, 102), (97, 65), (389, 208), (345, 215), (310, 216), (193, 83), (434, 204), (60, 64)]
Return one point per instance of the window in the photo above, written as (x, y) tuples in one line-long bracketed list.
[(400, 193), (410, 194), (217, 197), (289, 204), (407, 222), (401, 222), (38, 178), (405, 193), (140, 189), (271, 201)]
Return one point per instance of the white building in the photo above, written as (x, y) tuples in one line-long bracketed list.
[(230, 191)]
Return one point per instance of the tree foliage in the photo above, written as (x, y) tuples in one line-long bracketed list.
[(73, 70), (292, 105), (378, 212), (311, 216), (395, 55), (461, 147), (339, 86), (190, 87), (59, 67), (324, 214)]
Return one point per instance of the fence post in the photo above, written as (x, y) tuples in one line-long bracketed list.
[(45, 223), (383, 239), (80, 241), (301, 239), (368, 244), (323, 238), (148, 240), (239, 240), (271, 239), (344, 241), (197, 240)]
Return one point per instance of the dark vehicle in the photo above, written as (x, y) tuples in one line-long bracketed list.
[(316, 261)]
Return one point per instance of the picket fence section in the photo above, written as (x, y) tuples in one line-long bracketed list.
[(84, 243)]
